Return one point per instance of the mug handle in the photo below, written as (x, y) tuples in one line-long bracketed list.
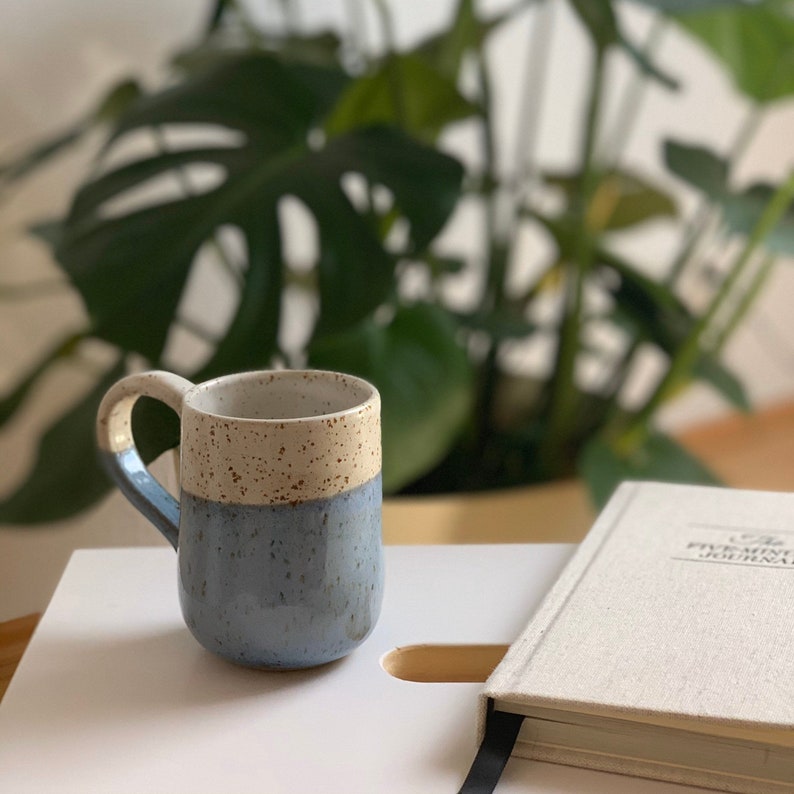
[(120, 455)]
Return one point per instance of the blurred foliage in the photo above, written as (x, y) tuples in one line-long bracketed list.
[(357, 137)]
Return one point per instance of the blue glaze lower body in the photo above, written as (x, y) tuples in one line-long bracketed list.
[(282, 586)]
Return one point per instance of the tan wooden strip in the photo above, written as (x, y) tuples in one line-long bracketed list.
[(14, 637), (745, 451), (558, 512), (438, 664)]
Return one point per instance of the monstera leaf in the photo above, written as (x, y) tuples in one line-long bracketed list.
[(424, 378), (603, 467), (754, 42), (130, 247), (131, 265)]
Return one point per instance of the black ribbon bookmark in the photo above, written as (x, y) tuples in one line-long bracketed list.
[(501, 732)]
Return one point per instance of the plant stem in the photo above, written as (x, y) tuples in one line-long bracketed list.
[(215, 16), (615, 145), (745, 303), (694, 236), (682, 363), (529, 115), (392, 66), (528, 128), (496, 257), (502, 208), (497, 254), (563, 387), (628, 112), (700, 225)]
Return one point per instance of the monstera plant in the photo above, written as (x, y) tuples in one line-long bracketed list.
[(355, 138)]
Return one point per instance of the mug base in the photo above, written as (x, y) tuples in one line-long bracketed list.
[(268, 667), (233, 641)]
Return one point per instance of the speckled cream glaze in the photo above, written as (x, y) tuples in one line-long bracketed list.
[(279, 437), (114, 425)]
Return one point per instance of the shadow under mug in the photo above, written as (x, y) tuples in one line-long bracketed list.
[(278, 525)]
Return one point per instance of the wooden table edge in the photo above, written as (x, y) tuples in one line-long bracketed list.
[(14, 638)]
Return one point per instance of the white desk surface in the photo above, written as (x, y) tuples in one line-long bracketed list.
[(114, 695)]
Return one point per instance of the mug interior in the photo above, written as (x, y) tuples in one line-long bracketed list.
[(281, 395)]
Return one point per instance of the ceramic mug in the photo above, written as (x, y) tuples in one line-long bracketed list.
[(278, 525)]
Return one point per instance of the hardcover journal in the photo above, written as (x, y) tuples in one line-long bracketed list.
[(665, 649)]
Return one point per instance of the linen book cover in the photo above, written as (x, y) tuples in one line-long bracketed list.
[(666, 647)]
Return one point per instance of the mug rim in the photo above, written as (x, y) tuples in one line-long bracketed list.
[(372, 398)]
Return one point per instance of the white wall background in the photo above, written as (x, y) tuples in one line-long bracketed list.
[(57, 55)]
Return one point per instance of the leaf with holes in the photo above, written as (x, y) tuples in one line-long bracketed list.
[(130, 264)]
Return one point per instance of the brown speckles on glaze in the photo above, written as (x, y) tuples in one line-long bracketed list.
[(256, 460), (305, 591), (113, 423)]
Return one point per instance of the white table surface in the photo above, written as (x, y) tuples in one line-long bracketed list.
[(114, 695)]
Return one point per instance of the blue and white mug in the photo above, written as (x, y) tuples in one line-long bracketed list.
[(278, 525)]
